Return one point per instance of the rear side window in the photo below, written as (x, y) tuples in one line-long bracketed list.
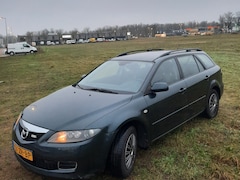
[(207, 62), (200, 66), (188, 65)]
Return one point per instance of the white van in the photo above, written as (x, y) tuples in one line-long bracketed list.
[(20, 47)]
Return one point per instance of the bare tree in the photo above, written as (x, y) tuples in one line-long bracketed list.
[(44, 34), (59, 32), (29, 37), (74, 33), (237, 18), (86, 31), (203, 24), (229, 20)]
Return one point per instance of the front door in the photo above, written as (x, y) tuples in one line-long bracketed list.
[(167, 109)]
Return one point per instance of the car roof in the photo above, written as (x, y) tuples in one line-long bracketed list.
[(150, 55)]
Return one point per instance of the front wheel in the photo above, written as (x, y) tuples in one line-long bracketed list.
[(124, 152), (212, 104)]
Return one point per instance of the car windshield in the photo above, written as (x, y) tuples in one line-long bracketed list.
[(117, 76)]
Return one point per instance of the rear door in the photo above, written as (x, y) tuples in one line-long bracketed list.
[(197, 81), (166, 110)]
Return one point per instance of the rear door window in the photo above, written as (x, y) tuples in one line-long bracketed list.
[(188, 65)]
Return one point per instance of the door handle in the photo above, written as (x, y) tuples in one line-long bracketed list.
[(182, 90)]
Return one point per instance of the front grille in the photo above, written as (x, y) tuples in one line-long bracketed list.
[(30, 132), (32, 136), (46, 164), (41, 163), (50, 164)]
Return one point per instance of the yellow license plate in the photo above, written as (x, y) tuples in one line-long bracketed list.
[(25, 153)]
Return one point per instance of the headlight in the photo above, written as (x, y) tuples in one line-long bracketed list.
[(73, 136)]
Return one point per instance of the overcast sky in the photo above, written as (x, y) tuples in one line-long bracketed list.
[(36, 15)]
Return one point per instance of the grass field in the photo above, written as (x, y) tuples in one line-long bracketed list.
[(200, 149)]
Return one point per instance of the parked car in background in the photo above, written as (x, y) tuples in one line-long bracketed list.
[(20, 48), (127, 102), (72, 41), (50, 43), (83, 41), (92, 40), (102, 39)]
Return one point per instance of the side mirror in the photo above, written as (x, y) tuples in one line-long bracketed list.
[(159, 86)]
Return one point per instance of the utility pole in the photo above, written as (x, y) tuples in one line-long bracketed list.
[(6, 32)]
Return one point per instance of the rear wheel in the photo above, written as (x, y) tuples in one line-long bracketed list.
[(11, 53), (124, 152), (212, 104)]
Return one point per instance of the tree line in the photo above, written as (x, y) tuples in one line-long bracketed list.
[(226, 23)]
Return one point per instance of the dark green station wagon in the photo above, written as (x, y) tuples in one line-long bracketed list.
[(127, 102)]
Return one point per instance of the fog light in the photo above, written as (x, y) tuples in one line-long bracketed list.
[(67, 165)]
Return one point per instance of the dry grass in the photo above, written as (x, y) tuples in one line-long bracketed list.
[(201, 149)]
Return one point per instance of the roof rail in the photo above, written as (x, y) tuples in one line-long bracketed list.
[(135, 51), (179, 50), (192, 49)]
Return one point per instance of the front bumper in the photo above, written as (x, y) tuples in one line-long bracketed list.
[(70, 161)]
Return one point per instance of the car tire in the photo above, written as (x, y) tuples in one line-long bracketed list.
[(212, 104), (124, 152), (11, 53)]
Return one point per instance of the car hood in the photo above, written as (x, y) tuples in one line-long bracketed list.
[(72, 108)]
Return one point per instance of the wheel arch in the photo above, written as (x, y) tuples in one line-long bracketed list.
[(217, 89), (142, 132), (12, 53), (216, 86)]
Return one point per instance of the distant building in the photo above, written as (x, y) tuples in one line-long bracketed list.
[(54, 38)]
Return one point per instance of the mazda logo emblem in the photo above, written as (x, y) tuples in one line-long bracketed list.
[(24, 133)]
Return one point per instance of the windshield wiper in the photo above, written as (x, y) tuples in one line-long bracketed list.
[(97, 89), (102, 90)]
